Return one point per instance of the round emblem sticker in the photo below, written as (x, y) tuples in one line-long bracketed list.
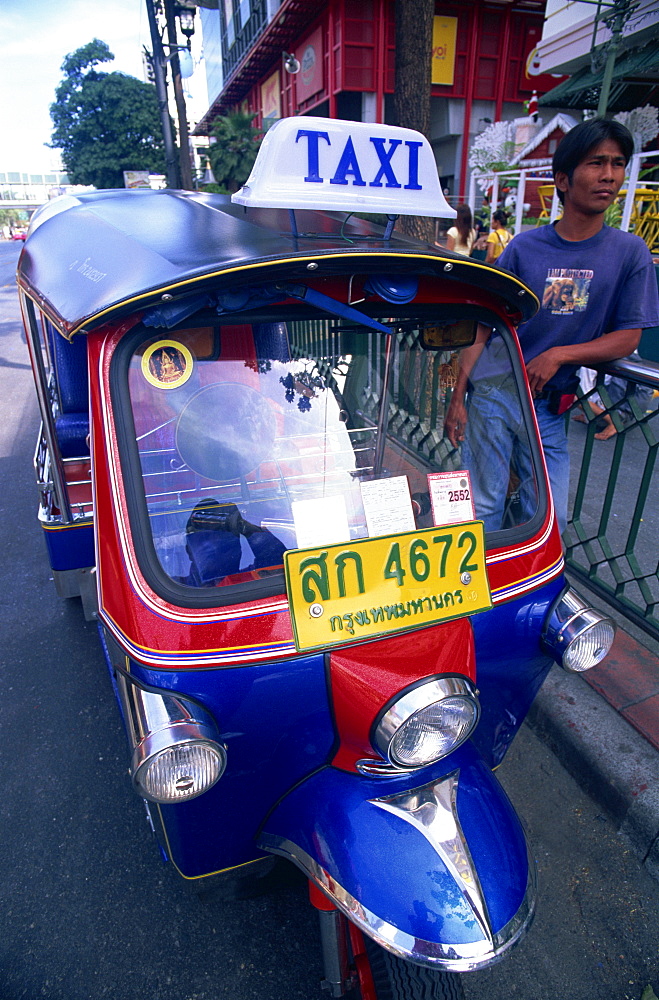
[(167, 364)]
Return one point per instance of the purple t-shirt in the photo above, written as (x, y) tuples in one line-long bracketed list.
[(585, 289)]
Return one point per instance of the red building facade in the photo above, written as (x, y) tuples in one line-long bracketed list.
[(346, 51)]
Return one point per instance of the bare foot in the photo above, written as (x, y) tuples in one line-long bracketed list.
[(581, 417), (608, 432)]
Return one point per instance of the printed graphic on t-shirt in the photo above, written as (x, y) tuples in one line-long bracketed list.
[(566, 290)]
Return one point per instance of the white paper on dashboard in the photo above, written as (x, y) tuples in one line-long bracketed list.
[(451, 497), (387, 506), (321, 521)]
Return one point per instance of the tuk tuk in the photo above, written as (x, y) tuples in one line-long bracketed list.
[(319, 650)]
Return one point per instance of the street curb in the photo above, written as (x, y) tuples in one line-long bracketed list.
[(613, 763)]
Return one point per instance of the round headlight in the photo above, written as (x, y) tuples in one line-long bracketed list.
[(427, 722), (180, 772), (576, 635), (433, 732), (589, 646)]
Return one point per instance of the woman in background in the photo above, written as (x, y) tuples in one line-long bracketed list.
[(462, 236), (499, 238)]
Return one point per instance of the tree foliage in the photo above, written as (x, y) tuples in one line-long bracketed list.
[(233, 153), (13, 216), (493, 148), (104, 123)]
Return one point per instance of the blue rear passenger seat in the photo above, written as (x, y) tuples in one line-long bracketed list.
[(70, 364)]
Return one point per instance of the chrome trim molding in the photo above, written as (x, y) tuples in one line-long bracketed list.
[(570, 618), (436, 819), (431, 809), (375, 768), (79, 583), (49, 456), (633, 370)]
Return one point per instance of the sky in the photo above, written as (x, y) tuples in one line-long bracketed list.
[(35, 37)]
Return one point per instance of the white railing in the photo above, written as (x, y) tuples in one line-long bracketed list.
[(544, 176), (539, 175), (633, 185)]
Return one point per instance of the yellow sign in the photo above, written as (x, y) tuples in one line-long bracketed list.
[(270, 97), (371, 587), (444, 33)]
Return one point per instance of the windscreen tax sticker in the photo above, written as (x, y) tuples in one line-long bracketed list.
[(167, 364)]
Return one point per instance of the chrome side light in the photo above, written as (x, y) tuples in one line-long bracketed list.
[(176, 751), (427, 722), (576, 635), (180, 772)]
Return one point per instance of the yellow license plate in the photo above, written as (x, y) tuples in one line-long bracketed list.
[(372, 587)]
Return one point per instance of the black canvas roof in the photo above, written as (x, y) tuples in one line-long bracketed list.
[(96, 257)]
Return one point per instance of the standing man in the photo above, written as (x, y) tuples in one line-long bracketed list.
[(597, 290)]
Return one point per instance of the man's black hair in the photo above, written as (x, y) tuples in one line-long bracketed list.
[(575, 146)]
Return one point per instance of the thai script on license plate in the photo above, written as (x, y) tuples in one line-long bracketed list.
[(371, 587)]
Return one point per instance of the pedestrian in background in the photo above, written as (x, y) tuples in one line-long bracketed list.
[(499, 238), (462, 236), (597, 291)]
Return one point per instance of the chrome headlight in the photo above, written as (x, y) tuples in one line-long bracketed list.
[(177, 754), (180, 772), (577, 636), (427, 722)]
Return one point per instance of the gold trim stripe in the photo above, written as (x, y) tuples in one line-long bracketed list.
[(252, 266)]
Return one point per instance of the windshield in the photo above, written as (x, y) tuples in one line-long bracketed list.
[(253, 438)]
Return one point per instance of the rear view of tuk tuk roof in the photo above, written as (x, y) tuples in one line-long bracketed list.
[(94, 258)]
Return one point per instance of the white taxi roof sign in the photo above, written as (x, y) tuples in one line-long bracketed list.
[(325, 163)]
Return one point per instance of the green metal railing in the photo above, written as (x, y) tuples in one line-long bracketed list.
[(612, 538)]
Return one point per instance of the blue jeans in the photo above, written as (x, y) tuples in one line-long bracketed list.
[(496, 444)]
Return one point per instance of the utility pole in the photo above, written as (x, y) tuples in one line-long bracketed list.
[(185, 166), (159, 63), (615, 20)]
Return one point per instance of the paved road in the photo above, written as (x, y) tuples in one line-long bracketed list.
[(89, 909)]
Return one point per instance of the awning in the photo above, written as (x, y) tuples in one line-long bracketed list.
[(635, 82)]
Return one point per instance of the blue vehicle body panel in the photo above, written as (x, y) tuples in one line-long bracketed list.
[(389, 866), (510, 666), (70, 547), (294, 736)]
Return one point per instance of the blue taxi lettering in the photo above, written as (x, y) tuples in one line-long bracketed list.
[(349, 166), (413, 174), (385, 163), (313, 174)]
